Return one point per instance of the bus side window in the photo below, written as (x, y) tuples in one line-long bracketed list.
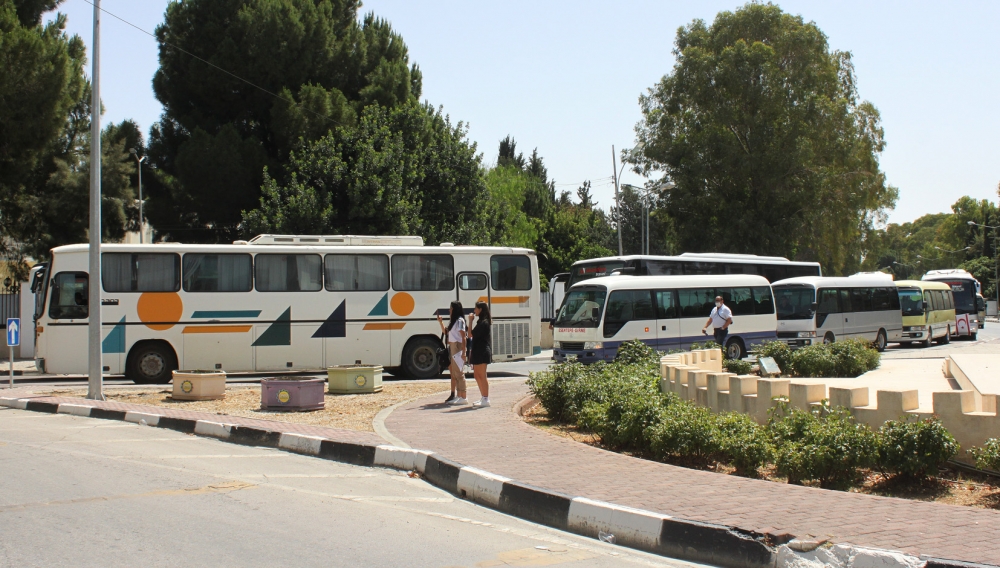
[(827, 301), (696, 302), (880, 300), (510, 272), (861, 299), (764, 303), (845, 300), (739, 300), (69, 296), (666, 304)]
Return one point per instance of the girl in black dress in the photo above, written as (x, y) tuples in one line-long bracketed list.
[(481, 351)]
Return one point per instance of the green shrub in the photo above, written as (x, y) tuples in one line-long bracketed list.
[(914, 448), (742, 442), (854, 357), (823, 445), (683, 429), (988, 456), (849, 358), (738, 366), (636, 352), (779, 351), (709, 344)]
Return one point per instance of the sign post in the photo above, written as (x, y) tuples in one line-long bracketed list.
[(13, 340)]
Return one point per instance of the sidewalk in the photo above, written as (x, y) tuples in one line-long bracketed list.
[(498, 441)]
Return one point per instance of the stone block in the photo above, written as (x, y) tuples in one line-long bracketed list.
[(849, 397), (803, 395), (718, 383)]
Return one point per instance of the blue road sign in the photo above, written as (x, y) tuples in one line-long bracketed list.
[(13, 332)]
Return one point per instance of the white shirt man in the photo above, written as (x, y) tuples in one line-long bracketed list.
[(720, 319)]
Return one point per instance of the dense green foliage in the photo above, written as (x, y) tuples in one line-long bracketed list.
[(218, 132), (825, 445), (45, 139), (915, 448), (621, 403), (761, 128), (943, 240), (847, 358), (738, 366), (987, 456)]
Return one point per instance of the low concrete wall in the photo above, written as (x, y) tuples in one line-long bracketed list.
[(697, 376)]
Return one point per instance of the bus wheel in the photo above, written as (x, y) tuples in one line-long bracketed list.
[(420, 358), (927, 342), (973, 336), (150, 363), (735, 349), (880, 341), (946, 339), (828, 338)]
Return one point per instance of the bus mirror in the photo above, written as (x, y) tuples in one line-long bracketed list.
[(595, 313), (814, 306), (927, 305)]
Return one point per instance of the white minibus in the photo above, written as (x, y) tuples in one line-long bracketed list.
[(281, 303), (665, 312), (812, 309), (964, 288)]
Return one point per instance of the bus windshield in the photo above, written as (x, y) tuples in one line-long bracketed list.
[(587, 270), (582, 308), (795, 302), (911, 301)]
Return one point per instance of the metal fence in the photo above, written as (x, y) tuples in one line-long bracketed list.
[(548, 307), (10, 305)]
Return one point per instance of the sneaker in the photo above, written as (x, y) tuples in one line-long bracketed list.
[(450, 398), (458, 401), (482, 403)]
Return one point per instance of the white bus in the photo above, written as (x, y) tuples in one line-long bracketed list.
[(665, 312), (813, 309), (773, 268), (281, 303), (964, 287)]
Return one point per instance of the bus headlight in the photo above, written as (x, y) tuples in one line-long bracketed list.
[(807, 334), (593, 345)]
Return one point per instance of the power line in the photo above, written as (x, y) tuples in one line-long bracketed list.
[(209, 63)]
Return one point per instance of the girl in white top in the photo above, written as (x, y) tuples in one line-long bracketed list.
[(457, 331)]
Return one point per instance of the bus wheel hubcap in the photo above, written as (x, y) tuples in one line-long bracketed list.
[(424, 358), (151, 365)]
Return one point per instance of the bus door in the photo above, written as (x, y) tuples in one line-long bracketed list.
[(829, 318), (629, 315), (472, 287), (668, 323)]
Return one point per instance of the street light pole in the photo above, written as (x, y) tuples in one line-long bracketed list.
[(618, 203), (138, 166), (95, 364)]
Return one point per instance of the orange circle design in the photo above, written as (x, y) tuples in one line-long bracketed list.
[(402, 304), (160, 307)]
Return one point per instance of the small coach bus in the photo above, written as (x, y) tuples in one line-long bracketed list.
[(812, 309), (665, 312), (280, 303), (928, 311), (964, 287)]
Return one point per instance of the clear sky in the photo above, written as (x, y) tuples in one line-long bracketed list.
[(565, 77)]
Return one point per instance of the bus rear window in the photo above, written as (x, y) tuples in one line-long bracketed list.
[(69, 296)]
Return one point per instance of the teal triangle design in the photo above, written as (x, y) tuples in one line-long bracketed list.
[(115, 341), (382, 307), (280, 332)]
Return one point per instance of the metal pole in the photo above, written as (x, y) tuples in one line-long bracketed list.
[(95, 366), (141, 225), (10, 383), (618, 204)]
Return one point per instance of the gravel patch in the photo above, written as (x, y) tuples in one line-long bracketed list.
[(347, 411)]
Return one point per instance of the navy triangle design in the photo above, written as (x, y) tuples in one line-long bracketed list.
[(280, 332), (336, 324)]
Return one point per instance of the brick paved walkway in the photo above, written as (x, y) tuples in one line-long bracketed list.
[(338, 434), (497, 440)]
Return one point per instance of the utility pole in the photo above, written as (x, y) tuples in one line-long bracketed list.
[(95, 366), (138, 166), (618, 204)]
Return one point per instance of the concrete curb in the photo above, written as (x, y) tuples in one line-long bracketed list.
[(644, 530)]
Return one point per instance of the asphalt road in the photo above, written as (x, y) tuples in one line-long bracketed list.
[(86, 492), (987, 341)]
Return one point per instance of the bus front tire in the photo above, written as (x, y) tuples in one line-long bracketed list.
[(946, 339), (881, 341), (151, 363), (735, 349), (420, 358), (828, 338)]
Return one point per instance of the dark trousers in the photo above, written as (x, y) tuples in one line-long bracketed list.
[(720, 336)]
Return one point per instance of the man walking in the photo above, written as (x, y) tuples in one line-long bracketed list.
[(720, 319)]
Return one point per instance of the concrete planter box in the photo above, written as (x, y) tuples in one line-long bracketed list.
[(353, 379), (292, 394), (199, 385)]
